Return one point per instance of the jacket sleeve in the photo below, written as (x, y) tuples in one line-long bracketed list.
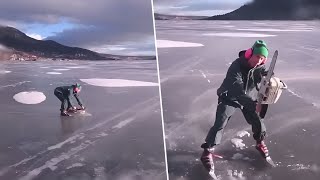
[(78, 99), (236, 89)]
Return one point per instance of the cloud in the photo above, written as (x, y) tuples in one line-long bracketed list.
[(95, 22), (200, 7), (35, 36)]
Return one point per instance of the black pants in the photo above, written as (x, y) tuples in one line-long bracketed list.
[(64, 101), (224, 112)]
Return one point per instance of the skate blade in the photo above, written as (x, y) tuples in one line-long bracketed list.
[(270, 161), (213, 175)]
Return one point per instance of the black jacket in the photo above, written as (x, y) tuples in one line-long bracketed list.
[(67, 92), (240, 82)]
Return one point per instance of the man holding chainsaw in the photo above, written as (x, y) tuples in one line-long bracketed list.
[(239, 90)]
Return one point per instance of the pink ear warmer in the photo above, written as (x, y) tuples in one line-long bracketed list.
[(249, 53)]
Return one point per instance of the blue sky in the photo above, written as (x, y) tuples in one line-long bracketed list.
[(99, 25), (46, 30), (197, 7)]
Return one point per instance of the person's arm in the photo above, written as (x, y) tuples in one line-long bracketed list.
[(78, 100)]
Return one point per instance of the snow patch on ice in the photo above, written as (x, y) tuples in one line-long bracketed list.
[(61, 69), (293, 93), (276, 30), (62, 143), (203, 74), (15, 84), (52, 163), (297, 167), (49, 164), (117, 83), (235, 174), (249, 35), (77, 67), (5, 72), (53, 73), (102, 134), (171, 44), (100, 173), (243, 133), (238, 143), (123, 123), (75, 165), (32, 97)]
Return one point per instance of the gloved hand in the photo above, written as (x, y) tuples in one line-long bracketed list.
[(72, 109)]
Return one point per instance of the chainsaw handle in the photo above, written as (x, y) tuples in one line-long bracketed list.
[(284, 85)]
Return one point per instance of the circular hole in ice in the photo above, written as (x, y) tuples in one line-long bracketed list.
[(31, 97)]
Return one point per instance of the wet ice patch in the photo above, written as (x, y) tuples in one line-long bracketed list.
[(238, 143), (315, 168), (32, 97), (75, 165), (172, 44), (54, 73), (239, 35), (117, 83), (122, 123), (31, 146), (243, 133), (237, 156), (275, 30)]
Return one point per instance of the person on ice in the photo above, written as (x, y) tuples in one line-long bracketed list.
[(238, 91), (64, 93)]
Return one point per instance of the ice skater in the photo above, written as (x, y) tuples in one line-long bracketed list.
[(64, 94)]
